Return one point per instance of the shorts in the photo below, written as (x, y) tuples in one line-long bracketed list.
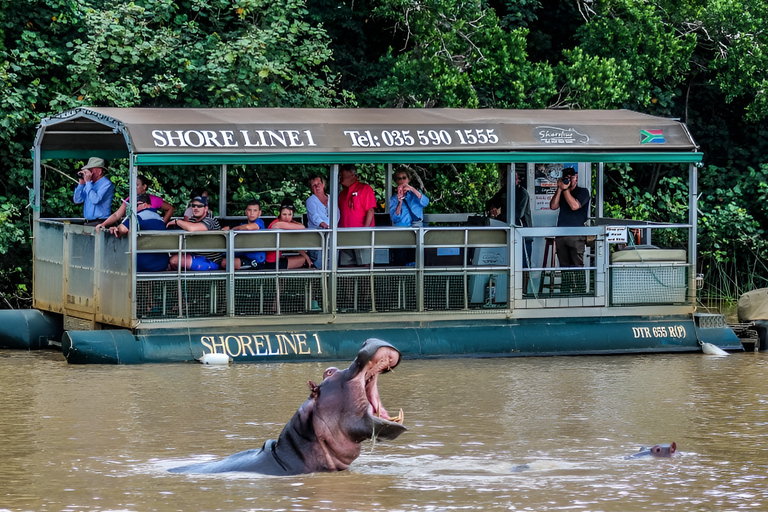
[(354, 257), (270, 265), (200, 263)]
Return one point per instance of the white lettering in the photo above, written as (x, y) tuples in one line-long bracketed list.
[(293, 138), (247, 140), (200, 138), (280, 137), (311, 141), (179, 136), (160, 142), (211, 139), (229, 138), (261, 137), (353, 134)]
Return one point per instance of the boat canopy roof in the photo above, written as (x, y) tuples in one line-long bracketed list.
[(195, 136)]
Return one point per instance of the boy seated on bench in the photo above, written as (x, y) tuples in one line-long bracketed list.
[(253, 259)]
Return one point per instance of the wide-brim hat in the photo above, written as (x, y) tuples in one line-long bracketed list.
[(94, 162)]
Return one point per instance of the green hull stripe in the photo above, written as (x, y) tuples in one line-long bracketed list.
[(496, 338)]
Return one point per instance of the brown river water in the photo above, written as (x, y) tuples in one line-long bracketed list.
[(100, 438)]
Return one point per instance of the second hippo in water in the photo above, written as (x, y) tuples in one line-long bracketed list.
[(326, 432), (658, 450)]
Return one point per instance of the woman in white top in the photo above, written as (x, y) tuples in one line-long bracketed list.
[(318, 213)]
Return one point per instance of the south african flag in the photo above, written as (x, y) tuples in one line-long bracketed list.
[(652, 137)]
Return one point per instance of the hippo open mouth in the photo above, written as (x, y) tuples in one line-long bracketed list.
[(384, 360), (326, 432)]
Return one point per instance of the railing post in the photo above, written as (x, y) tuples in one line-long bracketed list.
[(178, 276), (133, 235), (231, 272), (420, 269), (334, 255), (693, 194)]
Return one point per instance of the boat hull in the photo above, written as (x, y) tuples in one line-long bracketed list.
[(455, 338), (29, 329)]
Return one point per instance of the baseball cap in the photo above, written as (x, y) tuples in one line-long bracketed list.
[(569, 171), (200, 199)]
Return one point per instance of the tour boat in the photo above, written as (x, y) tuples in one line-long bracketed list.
[(477, 287)]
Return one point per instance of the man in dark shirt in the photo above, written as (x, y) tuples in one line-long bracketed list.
[(200, 221), (573, 203)]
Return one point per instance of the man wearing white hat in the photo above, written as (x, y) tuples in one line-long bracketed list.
[(95, 191)]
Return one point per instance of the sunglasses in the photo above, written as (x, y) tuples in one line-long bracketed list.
[(197, 206), (139, 203)]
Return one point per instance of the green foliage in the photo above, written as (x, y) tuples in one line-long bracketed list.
[(733, 215), (645, 56), (13, 288), (257, 53), (458, 56), (593, 82), (462, 188), (10, 232)]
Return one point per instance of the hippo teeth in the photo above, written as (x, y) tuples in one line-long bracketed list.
[(399, 418)]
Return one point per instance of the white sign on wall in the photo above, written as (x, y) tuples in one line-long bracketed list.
[(616, 234)]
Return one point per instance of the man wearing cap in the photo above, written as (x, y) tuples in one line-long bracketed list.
[(148, 219), (573, 203), (200, 221), (95, 191), (356, 208)]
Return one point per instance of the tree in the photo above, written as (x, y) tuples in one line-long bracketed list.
[(60, 54)]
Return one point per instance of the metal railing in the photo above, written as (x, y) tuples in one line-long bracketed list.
[(423, 270)]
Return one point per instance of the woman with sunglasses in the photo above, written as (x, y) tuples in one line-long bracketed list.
[(406, 207)]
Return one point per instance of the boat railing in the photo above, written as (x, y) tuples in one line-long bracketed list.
[(653, 267), (419, 270), (633, 273)]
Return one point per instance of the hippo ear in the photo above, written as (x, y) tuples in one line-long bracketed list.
[(672, 448), (314, 389)]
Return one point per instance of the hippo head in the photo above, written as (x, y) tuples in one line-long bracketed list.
[(663, 450), (345, 408), (658, 450)]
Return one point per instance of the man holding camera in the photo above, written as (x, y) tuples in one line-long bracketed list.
[(95, 191), (573, 203)]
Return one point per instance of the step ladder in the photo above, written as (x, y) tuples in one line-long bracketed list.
[(551, 280)]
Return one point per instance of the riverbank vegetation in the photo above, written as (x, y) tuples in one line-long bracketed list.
[(702, 61)]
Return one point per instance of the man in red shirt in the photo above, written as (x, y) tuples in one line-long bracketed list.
[(356, 207)]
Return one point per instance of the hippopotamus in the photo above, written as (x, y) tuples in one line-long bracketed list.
[(326, 432), (659, 450)]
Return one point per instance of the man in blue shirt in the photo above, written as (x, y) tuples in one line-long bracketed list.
[(94, 191), (149, 220), (254, 259)]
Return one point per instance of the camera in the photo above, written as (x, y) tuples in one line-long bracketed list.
[(80, 173), (566, 181)]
